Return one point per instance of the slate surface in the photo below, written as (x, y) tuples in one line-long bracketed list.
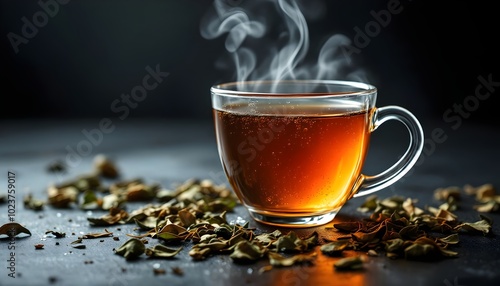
[(170, 152)]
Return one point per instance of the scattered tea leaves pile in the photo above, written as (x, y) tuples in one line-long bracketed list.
[(400, 229), (194, 213)]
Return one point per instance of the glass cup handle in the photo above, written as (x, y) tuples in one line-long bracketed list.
[(371, 184)]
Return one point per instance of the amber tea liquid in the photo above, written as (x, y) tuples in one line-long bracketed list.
[(301, 160)]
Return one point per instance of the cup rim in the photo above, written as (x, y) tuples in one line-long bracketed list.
[(222, 89)]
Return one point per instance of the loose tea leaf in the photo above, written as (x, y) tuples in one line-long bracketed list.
[(90, 200), (162, 251), (450, 239), (276, 259), (350, 263), (483, 226), (33, 204), (62, 197), (105, 167), (57, 234), (106, 233), (403, 230), (12, 229), (131, 249), (444, 194), (335, 248), (292, 243), (246, 251), (419, 251), (115, 216)]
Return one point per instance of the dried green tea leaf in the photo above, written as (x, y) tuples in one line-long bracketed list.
[(131, 249), (488, 207), (12, 229), (411, 232), (275, 259), (106, 233), (223, 204), (419, 251), (392, 203), (171, 237), (224, 231), (162, 251), (246, 251), (450, 239), (165, 195), (172, 228), (201, 251), (112, 201), (372, 253), (81, 183), (115, 216), (485, 192), (105, 167), (292, 243), (147, 224), (235, 239), (394, 245), (443, 194), (410, 208), (90, 200), (350, 263), (334, 248), (446, 215), (450, 205), (121, 186), (267, 238), (33, 204), (99, 221), (480, 226)]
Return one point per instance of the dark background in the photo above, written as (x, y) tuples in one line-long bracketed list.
[(426, 59)]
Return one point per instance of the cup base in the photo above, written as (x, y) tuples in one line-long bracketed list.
[(293, 221)]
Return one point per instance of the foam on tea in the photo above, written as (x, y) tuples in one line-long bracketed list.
[(294, 159)]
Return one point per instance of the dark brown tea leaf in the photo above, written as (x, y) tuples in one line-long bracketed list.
[(12, 229)]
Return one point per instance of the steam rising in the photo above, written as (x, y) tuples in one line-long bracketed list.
[(285, 56)]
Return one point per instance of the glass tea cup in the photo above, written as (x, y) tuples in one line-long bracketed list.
[(293, 151)]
